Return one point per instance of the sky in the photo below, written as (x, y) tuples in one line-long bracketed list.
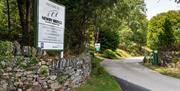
[(155, 7)]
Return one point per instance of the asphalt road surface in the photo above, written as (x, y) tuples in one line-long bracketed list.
[(132, 76)]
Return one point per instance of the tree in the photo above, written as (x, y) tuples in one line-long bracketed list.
[(109, 40), (79, 20), (166, 37), (126, 17), (162, 30), (9, 22)]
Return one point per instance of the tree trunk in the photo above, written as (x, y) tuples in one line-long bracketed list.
[(21, 14), (28, 15), (8, 13), (25, 19)]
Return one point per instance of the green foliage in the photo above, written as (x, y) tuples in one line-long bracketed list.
[(109, 54), (135, 50), (6, 55), (177, 36), (173, 72), (126, 36), (109, 39), (33, 61), (103, 82), (163, 30), (44, 71), (166, 37), (96, 68), (28, 64), (176, 60), (123, 24), (13, 15), (79, 20), (122, 53), (61, 78), (82, 18), (20, 62), (6, 48)]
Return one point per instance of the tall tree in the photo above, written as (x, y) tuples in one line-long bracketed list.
[(79, 19), (163, 24), (128, 18)]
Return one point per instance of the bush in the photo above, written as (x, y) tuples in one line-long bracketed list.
[(122, 53), (162, 30), (44, 71), (61, 78), (176, 60), (6, 54), (109, 54), (109, 40), (96, 68), (6, 48)]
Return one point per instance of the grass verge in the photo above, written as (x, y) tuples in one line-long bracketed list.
[(173, 72), (100, 80)]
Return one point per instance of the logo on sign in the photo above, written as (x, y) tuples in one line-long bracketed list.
[(51, 18), (53, 13)]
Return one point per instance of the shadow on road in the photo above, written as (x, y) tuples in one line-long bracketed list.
[(127, 86)]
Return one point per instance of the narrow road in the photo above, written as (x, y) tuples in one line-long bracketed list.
[(132, 76)]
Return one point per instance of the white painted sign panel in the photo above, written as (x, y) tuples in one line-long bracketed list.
[(97, 46), (51, 22)]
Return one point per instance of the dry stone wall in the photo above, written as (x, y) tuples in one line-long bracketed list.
[(27, 71), (170, 56)]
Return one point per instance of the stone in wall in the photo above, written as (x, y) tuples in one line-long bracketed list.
[(16, 48)]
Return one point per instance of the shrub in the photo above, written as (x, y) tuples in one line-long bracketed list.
[(176, 60), (44, 71), (6, 54), (109, 54), (33, 61), (96, 68), (61, 78), (109, 39), (28, 64), (6, 48), (162, 30), (122, 53)]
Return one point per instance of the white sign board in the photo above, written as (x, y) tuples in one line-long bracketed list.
[(97, 46), (51, 22)]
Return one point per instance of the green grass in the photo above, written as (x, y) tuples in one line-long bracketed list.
[(100, 83), (100, 80), (118, 54), (173, 72), (122, 53)]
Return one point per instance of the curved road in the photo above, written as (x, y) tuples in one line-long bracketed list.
[(132, 76)]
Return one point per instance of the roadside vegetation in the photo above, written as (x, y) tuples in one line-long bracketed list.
[(169, 71), (163, 36), (100, 80)]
